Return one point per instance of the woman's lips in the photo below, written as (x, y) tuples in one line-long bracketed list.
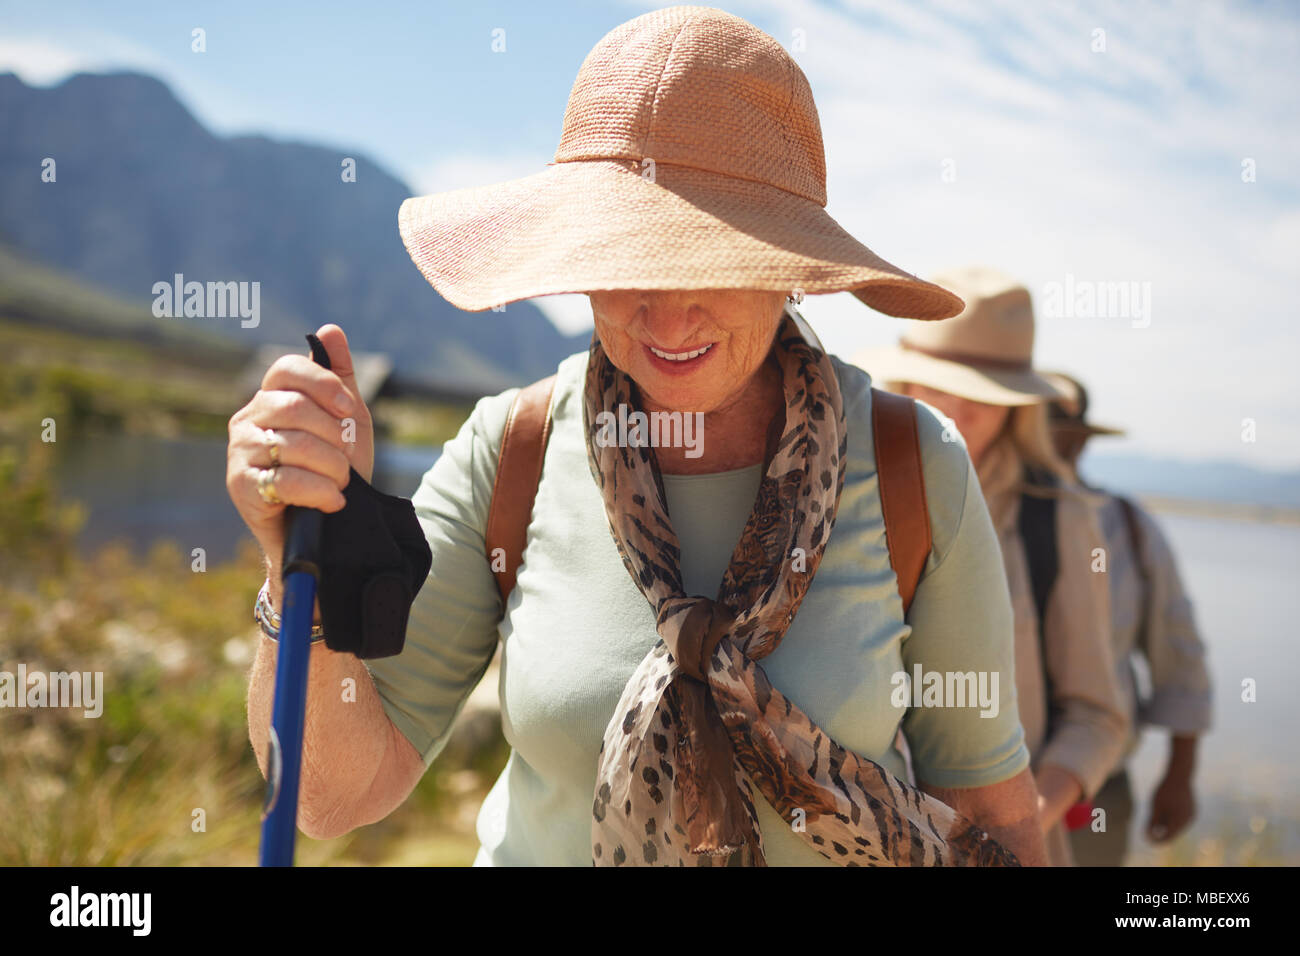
[(680, 366)]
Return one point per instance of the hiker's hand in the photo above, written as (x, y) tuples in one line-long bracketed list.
[(1173, 807), (1057, 790), (322, 427)]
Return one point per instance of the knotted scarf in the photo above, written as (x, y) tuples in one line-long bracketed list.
[(699, 725)]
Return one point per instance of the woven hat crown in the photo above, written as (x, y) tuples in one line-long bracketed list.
[(997, 323), (697, 87)]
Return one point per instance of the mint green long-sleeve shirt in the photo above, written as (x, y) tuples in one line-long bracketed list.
[(576, 626)]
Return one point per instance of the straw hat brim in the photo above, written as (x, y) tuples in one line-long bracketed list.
[(1086, 428), (1074, 423), (601, 225), (992, 386)]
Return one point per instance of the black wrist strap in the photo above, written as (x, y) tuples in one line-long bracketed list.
[(373, 561)]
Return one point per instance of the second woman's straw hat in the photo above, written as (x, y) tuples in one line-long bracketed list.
[(985, 354), (691, 158)]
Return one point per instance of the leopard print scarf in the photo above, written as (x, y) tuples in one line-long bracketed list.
[(699, 724)]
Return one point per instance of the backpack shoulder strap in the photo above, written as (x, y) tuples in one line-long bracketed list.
[(1134, 527), (902, 489), (1137, 540), (1037, 527), (898, 464), (519, 469)]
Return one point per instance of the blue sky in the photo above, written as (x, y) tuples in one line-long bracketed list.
[(956, 133)]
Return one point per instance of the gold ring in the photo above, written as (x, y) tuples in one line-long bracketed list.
[(273, 446), (266, 486)]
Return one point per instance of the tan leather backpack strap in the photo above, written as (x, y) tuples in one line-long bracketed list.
[(902, 488), (519, 470)]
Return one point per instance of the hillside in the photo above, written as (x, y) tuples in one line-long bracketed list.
[(144, 192)]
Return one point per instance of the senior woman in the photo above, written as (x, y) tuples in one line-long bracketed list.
[(664, 702), (978, 370)]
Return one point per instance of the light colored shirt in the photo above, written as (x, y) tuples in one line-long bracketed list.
[(576, 626), (1092, 725), (1152, 618)]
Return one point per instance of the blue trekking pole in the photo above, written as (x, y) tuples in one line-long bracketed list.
[(300, 575)]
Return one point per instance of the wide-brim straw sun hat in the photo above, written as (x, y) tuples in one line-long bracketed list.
[(691, 157), (985, 354), (1071, 412)]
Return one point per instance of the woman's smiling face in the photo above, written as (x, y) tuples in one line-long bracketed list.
[(688, 351)]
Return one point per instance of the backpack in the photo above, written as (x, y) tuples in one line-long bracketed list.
[(898, 464), (1037, 526)]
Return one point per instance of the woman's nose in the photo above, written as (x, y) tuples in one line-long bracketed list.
[(670, 321)]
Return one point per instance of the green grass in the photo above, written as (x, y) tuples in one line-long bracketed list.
[(111, 384), (40, 295), (126, 386), (174, 647), (122, 790)]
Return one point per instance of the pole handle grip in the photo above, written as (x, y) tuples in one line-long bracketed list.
[(302, 540)]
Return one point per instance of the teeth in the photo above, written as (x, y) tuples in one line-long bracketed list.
[(680, 356)]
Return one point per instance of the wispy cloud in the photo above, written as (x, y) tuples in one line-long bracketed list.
[(462, 171), (41, 61), (1124, 164)]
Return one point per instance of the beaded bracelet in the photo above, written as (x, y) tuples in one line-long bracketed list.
[(269, 621)]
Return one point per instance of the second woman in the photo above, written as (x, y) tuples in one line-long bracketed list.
[(977, 369)]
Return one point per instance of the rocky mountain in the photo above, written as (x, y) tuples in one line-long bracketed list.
[(142, 192)]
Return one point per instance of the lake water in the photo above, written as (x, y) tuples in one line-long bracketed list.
[(141, 489), (1242, 576)]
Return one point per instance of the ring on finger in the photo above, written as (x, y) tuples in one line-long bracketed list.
[(266, 479), (273, 443)]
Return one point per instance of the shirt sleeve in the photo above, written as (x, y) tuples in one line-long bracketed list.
[(961, 623), (1091, 726), (1175, 653), (451, 634)]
